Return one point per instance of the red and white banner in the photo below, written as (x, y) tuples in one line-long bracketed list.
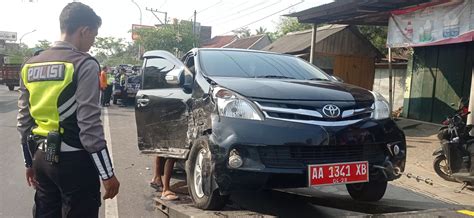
[(435, 23)]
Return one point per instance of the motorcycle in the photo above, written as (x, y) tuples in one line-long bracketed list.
[(454, 160)]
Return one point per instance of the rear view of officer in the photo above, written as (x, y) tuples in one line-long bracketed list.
[(59, 122)]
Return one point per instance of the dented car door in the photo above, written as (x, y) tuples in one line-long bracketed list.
[(161, 111)]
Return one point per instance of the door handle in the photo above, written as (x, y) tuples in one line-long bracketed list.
[(143, 101)]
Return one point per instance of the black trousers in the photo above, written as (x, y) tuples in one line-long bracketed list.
[(70, 188), (108, 94)]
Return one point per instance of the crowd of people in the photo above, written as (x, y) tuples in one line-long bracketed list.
[(113, 83)]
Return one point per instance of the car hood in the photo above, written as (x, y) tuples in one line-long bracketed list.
[(290, 89)]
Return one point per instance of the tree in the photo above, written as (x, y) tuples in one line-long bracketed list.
[(243, 32), (261, 30), (377, 35), (111, 51), (175, 38), (43, 44), (290, 24)]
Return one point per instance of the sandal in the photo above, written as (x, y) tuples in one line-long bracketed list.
[(170, 196), (158, 187)]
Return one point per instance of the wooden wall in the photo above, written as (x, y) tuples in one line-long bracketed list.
[(441, 76), (347, 42), (355, 70)]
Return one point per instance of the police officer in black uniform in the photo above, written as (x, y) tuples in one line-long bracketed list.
[(59, 122)]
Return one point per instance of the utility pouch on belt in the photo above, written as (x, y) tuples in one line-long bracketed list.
[(53, 147), (32, 145)]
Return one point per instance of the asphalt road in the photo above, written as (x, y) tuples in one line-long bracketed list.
[(134, 170), (16, 198)]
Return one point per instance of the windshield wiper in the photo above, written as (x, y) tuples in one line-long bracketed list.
[(319, 79), (275, 76)]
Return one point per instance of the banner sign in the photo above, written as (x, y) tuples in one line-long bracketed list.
[(13, 60), (435, 23), (135, 27), (7, 36)]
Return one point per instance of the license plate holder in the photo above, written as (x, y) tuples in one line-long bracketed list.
[(338, 173)]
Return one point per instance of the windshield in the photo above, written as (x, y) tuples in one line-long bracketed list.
[(257, 65)]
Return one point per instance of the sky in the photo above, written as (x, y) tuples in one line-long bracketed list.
[(25, 16)]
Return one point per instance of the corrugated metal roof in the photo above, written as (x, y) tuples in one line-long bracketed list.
[(355, 12), (299, 41), (245, 43), (218, 41)]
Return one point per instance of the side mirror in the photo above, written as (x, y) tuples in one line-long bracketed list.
[(337, 78), (173, 77)]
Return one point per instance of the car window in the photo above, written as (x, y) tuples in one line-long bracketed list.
[(255, 64), (154, 73)]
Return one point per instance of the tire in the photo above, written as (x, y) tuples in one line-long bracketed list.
[(442, 169), (214, 200), (11, 87), (114, 101), (368, 191)]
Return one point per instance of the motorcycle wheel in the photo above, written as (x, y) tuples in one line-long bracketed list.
[(440, 166)]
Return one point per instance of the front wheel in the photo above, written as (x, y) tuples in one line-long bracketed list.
[(199, 175), (368, 191), (11, 87), (441, 167)]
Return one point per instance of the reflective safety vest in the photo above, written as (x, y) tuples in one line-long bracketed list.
[(110, 79), (51, 80)]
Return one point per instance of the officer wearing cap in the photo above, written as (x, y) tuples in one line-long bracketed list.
[(59, 122)]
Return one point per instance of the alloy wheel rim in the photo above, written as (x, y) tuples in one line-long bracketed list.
[(198, 173), (443, 165)]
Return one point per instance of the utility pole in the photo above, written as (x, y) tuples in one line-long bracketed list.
[(26, 34), (138, 6), (194, 30), (153, 11), (139, 46)]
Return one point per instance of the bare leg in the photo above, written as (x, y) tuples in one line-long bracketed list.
[(166, 180), (157, 172), (169, 164)]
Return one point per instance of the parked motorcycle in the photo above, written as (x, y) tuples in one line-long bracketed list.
[(454, 160)]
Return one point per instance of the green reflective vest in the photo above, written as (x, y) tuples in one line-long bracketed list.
[(51, 80)]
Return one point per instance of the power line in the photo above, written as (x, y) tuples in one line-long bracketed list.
[(264, 17), (200, 11), (250, 12), (231, 7), (227, 16), (164, 3)]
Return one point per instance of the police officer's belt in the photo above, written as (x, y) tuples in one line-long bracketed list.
[(64, 147)]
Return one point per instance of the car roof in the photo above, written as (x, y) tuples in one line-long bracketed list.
[(196, 50)]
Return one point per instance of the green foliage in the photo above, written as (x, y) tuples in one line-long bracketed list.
[(243, 32), (112, 51), (43, 44), (21, 50), (175, 38), (261, 30), (289, 24), (377, 35)]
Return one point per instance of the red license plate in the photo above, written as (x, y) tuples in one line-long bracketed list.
[(338, 173)]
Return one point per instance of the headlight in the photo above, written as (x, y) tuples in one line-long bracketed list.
[(381, 108), (230, 104)]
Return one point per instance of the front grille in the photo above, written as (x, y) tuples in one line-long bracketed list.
[(314, 114), (294, 157)]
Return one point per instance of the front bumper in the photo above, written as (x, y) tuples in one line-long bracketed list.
[(276, 150)]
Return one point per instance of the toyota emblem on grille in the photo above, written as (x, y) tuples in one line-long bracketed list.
[(331, 111)]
